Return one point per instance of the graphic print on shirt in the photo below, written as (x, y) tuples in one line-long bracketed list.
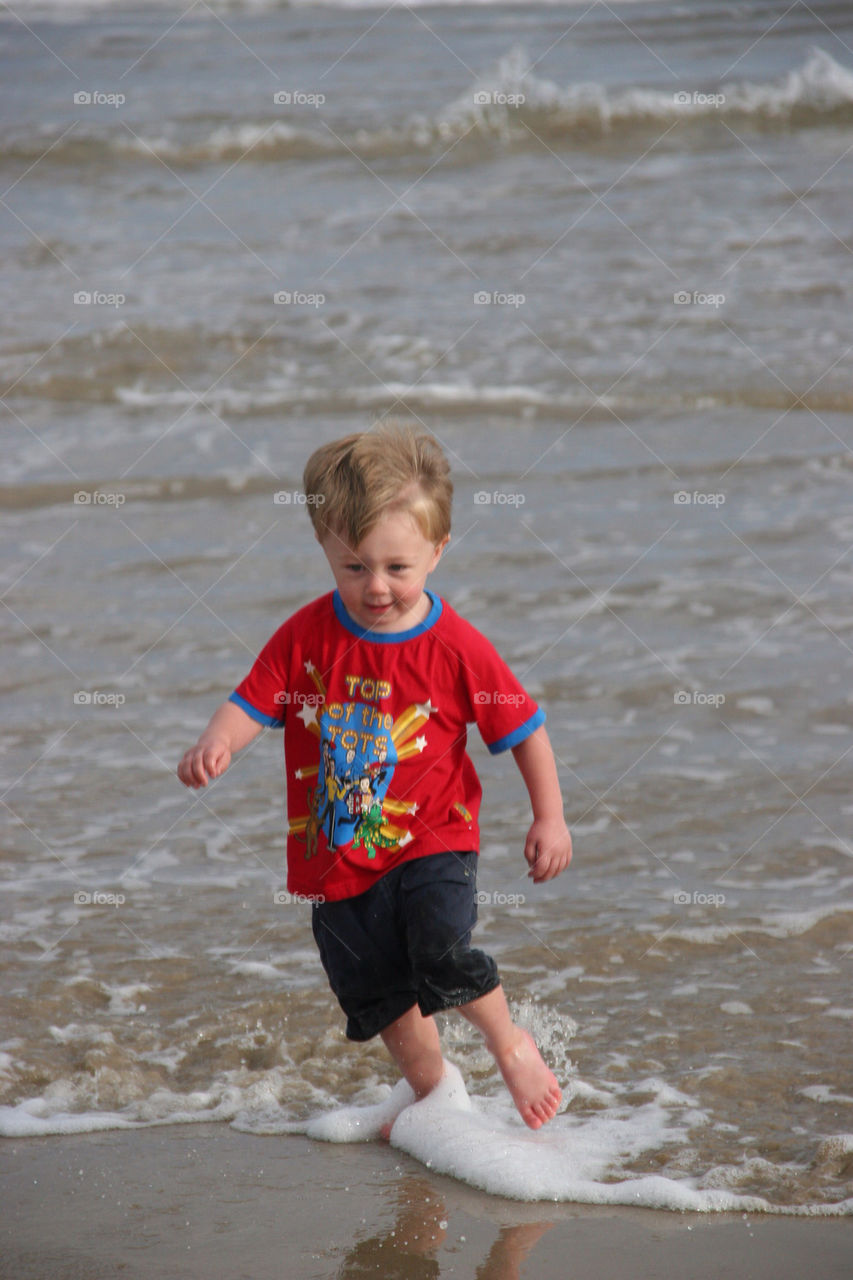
[(360, 743)]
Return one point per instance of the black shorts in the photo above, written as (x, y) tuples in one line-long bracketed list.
[(406, 941)]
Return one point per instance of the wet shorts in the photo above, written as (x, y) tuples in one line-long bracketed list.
[(405, 941)]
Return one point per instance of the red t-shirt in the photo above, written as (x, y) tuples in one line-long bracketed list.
[(375, 730)]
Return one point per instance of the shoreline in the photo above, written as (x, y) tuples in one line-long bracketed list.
[(202, 1200)]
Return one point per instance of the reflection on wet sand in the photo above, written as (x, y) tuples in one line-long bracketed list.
[(407, 1250)]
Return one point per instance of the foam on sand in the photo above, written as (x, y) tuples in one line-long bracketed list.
[(361, 1124), (483, 1142), (594, 1152), (566, 1160)]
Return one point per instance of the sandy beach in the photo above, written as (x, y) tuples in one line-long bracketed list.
[(204, 1200)]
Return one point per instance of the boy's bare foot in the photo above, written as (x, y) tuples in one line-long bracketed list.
[(533, 1085), (423, 1092)]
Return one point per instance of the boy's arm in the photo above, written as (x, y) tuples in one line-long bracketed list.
[(230, 730), (548, 848)]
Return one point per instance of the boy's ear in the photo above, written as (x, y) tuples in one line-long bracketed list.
[(439, 549)]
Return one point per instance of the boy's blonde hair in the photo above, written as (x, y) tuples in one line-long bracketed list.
[(351, 483)]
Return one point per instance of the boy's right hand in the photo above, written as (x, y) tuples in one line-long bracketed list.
[(207, 760)]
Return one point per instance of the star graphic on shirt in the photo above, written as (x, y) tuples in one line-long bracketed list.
[(405, 839), (425, 708), (309, 667), (420, 743), (307, 714)]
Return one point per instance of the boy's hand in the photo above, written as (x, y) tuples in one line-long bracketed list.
[(206, 760), (548, 849)]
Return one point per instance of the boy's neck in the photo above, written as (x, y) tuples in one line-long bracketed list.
[(423, 610), (416, 618)]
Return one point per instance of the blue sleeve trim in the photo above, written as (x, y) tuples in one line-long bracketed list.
[(269, 721), (518, 735)]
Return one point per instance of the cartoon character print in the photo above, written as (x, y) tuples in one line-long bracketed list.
[(368, 828), (358, 758), (360, 743)]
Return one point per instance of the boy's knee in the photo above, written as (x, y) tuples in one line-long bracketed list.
[(430, 960), (454, 976)]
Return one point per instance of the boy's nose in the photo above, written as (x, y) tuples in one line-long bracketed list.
[(376, 585)]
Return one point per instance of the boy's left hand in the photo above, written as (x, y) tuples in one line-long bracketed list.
[(548, 849)]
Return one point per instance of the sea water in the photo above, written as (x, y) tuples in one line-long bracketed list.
[(603, 253)]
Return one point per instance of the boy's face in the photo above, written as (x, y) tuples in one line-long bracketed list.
[(381, 581)]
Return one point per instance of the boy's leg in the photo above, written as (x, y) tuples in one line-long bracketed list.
[(414, 1045), (533, 1086), (440, 914)]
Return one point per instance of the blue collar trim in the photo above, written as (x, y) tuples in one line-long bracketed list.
[(387, 637)]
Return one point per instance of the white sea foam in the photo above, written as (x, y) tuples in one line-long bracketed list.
[(126, 999), (486, 1145), (34, 1119), (582, 1156), (824, 1093), (820, 89), (361, 1124), (259, 969), (71, 9), (786, 924), (578, 1157), (281, 395), (757, 705)]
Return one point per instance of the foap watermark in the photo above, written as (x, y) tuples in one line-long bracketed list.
[(282, 898), (698, 898), (482, 498), (296, 498), (498, 98), (98, 898), (696, 298), (498, 698), (298, 98), (98, 498), (97, 698), (98, 298), (497, 298), (696, 98), (698, 698), (495, 898), (685, 498), (284, 698), (98, 98), (293, 298)]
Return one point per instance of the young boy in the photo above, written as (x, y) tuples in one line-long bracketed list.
[(374, 685)]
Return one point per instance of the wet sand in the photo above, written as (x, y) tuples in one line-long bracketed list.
[(206, 1201)]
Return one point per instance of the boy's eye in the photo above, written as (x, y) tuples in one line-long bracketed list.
[(392, 568)]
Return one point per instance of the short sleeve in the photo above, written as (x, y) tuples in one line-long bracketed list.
[(263, 692), (501, 707)]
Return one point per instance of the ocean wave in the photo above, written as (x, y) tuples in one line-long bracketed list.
[(438, 398), (587, 1156), (506, 107), (70, 9), (113, 366), (790, 924)]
